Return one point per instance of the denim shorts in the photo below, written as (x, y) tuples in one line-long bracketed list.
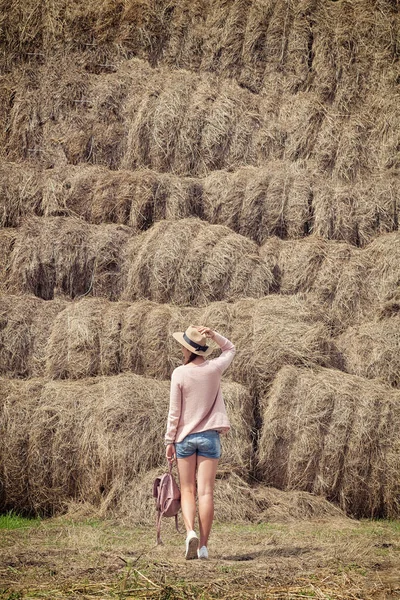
[(204, 443)]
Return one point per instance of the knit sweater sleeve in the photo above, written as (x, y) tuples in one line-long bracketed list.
[(228, 349), (175, 407)]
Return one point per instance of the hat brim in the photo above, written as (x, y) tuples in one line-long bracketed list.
[(178, 335)]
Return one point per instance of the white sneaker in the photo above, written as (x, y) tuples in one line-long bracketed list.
[(203, 552), (192, 544)]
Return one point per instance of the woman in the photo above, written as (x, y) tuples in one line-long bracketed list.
[(196, 418)]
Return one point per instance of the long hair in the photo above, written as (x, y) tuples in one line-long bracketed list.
[(191, 357)]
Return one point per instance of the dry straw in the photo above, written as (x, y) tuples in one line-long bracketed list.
[(356, 213), (334, 435), (7, 240), (368, 281), (62, 256), (255, 202), (235, 499), (372, 350), (25, 326), (191, 125), (192, 263), (248, 40), (87, 440), (96, 337)]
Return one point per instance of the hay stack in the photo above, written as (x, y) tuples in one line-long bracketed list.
[(234, 500), (25, 326), (190, 262), (63, 256), (87, 440), (279, 506), (372, 350), (334, 435)]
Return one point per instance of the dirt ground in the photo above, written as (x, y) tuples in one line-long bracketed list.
[(73, 557)]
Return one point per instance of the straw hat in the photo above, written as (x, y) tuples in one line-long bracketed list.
[(194, 341)]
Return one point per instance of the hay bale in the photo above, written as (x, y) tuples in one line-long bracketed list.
[(297, 263), (88, 440), (18, 403), (85, 340), (299, 54), (254, 53), (259, 202), (20, 193), (189, 262), (301, 118), (371, 350), (190, 125), (62, 255), (334, 435), (367, 281), (25, 326), (269, 333), (356, 213), (61, 114)]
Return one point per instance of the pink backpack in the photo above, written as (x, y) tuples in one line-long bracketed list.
[(168, 499)]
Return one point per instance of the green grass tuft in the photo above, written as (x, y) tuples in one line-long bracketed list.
[(13, 521)]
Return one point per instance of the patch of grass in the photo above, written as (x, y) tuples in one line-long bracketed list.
[(11, 520)]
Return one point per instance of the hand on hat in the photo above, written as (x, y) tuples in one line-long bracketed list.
[(209, 333)]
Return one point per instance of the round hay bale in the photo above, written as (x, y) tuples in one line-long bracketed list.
[(285, 331), (62, 255), (356, 214), (85, 340), (25, 326), (88, 440), (334, 435), (367, 281), (269, 333), (259, 202), (297, 263), (254, 54), (20, 192), (185, 124), (18, 403), (190, 262), (300, 40), (301, 117), (372, 350)]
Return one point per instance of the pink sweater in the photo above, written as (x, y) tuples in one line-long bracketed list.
[(194, 388)]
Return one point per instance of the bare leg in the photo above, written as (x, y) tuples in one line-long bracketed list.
[(187, 481), (206, 471)]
